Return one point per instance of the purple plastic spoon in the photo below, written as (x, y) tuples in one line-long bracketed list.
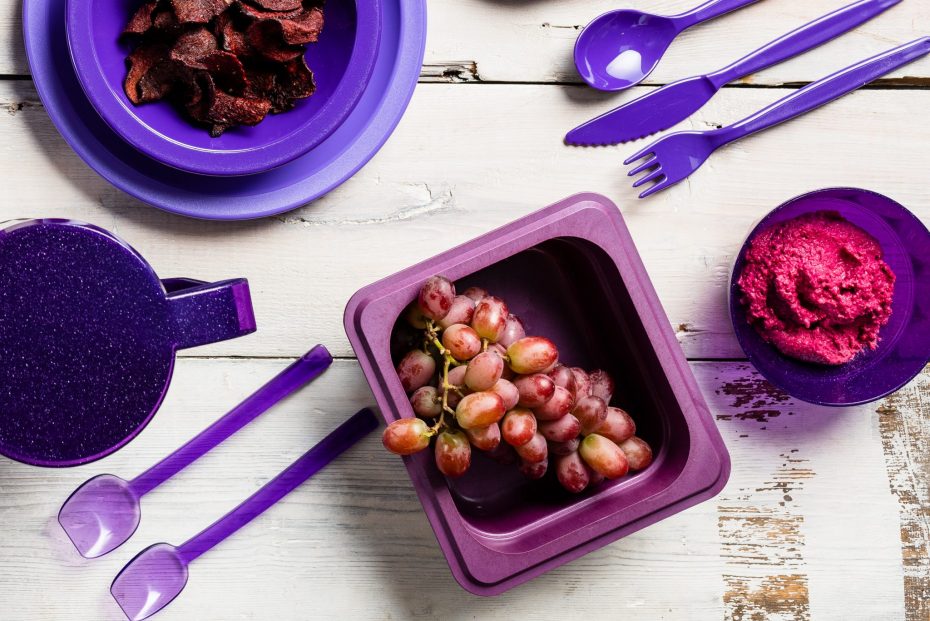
[(158, 574), (104, 512), (666, 106), (620, 48)]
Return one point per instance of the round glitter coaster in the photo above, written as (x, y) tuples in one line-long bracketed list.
[(88, 335)]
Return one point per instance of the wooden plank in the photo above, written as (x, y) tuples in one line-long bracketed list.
[(354, 543), (466, 160), (482, 40)]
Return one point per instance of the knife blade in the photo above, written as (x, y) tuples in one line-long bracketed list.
[(673, 103)]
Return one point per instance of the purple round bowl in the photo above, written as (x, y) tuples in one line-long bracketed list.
[(904, 346), (342, 62)]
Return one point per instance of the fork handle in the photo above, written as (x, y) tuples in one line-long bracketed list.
[(708, 11), (803, 39), (826, 90)]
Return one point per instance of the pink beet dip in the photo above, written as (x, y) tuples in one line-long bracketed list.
[(817, 288)]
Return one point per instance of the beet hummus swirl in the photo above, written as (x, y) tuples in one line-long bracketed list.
[(817, 288)]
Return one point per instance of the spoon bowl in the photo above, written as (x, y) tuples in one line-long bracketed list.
[(100, 515), (150, 581), (620, 49)]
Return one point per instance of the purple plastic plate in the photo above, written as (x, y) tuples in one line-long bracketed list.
[(88, 335), (572, 273), (330, 163), (341, 61), (904, 348)]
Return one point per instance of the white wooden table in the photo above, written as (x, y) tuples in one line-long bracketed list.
[(827, 513)]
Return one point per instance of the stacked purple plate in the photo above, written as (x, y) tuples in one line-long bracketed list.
[(336, 158)]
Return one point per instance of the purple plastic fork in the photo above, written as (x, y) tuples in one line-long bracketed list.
[(158, 574), (104, 512), (673, 158)]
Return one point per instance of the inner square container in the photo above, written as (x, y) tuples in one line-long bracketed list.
[(572, 273)]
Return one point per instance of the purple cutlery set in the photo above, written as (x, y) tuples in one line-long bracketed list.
[(89, 333), (673, 158)]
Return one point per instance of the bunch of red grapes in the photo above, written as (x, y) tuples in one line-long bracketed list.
[(495, 383)]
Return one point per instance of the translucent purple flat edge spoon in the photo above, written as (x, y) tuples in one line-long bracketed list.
[(158, 574), (608, 40), (673, 158), (104, 512)]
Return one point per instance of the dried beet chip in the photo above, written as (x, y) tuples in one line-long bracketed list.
[(279, 5), (227, 71), (198, 11), (234, 40), (265, 37), (194, 45), (141, 21), (256, 12), (262, 81), (139, 63), (229, 110), (159, 81), (296, 80), (164, 21), (303, 29)]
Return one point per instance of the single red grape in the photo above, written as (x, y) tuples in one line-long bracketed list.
[(475, 293), (616, 426), (604, 456), (534, 469), (518, 427), (453, 453), (563, 376), (406, 436), (513, 331), (572, 473), (483, 371), (490, 318), (436, 297), (426, 402), (532, 354), (461, 341), (602, 385), (563, 429), (508, 392), (415, 369), (534, 389), (638, 452), (536, 449), (564, 448), (582, 383), (463, 309), (485, 438), (591, 411), (555, 408), (479, 409)]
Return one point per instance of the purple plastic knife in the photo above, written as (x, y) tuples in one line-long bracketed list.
[(675, 102)]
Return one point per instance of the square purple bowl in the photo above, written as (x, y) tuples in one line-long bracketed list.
[(564, 270)]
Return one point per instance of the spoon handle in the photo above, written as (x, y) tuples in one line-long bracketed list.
[(802, 39), (307, 367), (328, 449), (824, 91), (709, 10)]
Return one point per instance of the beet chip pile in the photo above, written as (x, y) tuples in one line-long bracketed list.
[(225, 62)]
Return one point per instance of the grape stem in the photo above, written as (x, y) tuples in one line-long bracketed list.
[(432, 335)]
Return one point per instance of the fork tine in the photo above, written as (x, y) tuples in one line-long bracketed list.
[(639, 155), (661, 185), (650, 177), (653, 161)]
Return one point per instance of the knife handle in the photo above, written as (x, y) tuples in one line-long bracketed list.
[(803, 39), (826, 90), (707, 11)]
